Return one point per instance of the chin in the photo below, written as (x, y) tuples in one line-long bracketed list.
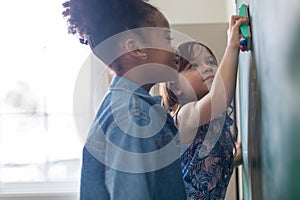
[(202, 95)]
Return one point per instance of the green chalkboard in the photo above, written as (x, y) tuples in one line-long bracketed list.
[(269, 98)]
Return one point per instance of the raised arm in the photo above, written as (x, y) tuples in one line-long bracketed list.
[(195, 114)]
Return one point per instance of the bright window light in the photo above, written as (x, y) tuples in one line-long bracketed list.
[(38, 69)]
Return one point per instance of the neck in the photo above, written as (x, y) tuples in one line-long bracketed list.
[(138, 80), (143, 76)]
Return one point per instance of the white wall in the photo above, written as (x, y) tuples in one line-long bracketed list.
[(196, 11)]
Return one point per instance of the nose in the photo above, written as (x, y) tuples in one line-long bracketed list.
[(207, 68)]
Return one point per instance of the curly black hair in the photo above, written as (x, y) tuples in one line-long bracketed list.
[(96, 20)]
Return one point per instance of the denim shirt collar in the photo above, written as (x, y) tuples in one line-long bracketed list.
[(124, 84)]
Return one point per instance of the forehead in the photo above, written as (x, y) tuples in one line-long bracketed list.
[(200, 51), (161, 21)]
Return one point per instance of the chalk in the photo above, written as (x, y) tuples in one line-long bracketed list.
[(245, 29)]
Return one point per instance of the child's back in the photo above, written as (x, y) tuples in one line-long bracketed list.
[(130, 167)]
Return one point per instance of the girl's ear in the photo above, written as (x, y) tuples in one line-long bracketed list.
[(132, 47), (175, 88)]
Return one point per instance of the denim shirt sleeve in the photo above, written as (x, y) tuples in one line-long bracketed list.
[(92, 186)]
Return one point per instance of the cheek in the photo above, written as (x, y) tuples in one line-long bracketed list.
[(215, 70), (200, 87), (161, 55), (167, 58), (187, 87)]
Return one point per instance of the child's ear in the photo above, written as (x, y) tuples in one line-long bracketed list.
[(132, 47)]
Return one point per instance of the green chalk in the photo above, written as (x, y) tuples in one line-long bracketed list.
[(245, 29)]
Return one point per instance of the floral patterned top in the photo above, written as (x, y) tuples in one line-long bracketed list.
[(207, 163)]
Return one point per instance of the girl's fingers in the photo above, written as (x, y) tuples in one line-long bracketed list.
[(233, 19), (237, 23), (233, 31), (237, 20), (241, 21)]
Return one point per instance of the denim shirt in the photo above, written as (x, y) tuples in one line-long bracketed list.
[(132, 150)]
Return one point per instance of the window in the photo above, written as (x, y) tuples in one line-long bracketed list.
[(40, 149)]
